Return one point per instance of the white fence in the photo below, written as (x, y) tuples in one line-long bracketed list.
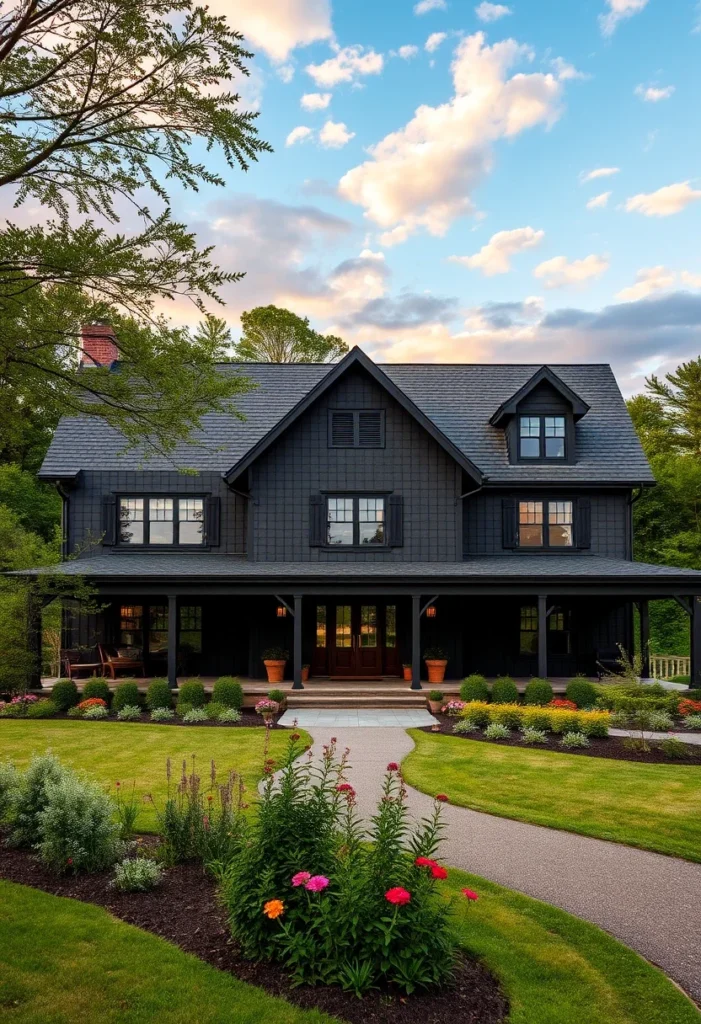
[(665, 666)]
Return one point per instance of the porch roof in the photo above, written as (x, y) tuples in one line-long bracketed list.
[(187, 567)]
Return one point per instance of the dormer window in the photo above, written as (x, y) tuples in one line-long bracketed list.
[(542, 437)]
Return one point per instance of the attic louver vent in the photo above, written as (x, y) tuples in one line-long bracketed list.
[(342, 432), (370, 429), (356, 429)]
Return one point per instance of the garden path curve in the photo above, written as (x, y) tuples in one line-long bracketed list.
[(649, 901)]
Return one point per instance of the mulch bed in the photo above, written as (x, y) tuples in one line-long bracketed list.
[(184, 909), (248, 720), (612, 746)]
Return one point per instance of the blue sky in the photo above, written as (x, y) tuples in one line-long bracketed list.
[(429, 201)]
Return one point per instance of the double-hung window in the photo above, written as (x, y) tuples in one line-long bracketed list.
[(161, 521), (545, 524), (355, 521), (541, 437)]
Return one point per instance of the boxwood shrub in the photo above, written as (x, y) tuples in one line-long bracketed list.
[(126, 695), (535, 717), (478, 712), (64, 694), (474, 687), (42, 709), (581, 692), (510, 715), (504, 691), (97, 688), (229, 692), (159, 694), (538, 691), (192, 692)]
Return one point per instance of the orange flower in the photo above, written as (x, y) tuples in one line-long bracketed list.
[(273, 909)]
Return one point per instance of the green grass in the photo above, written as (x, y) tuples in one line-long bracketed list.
[(128, 751), (652, 806), (71, 963)]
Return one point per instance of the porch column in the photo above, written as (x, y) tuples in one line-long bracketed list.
[(695, 643), (416, 642), (645, 638), (172, 641), (297, 647), (542, 636), (34, 640)]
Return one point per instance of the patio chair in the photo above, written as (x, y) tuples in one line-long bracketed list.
[(607, 662), (76, 661), (116, 659)]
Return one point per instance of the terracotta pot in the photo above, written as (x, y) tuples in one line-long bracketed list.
[(407, 673), (436, 671), (435, 706), (275, 670), (305, 673)]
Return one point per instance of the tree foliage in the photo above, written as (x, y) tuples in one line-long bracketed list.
[(274, 335)]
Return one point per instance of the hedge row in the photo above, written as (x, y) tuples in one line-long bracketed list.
[(557, 720)]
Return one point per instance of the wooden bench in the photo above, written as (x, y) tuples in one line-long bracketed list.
[(112, 661)]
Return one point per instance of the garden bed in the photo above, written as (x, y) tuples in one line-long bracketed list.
[(248, 720), (184, 909), (611, 746)]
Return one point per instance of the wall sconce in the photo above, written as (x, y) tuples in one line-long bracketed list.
[(431, 611), (281, 611)]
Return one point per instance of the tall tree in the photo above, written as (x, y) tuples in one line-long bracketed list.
[(100, 101), (679, 396), (274, 335)]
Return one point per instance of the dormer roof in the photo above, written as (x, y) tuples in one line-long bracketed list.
[(543, 375)]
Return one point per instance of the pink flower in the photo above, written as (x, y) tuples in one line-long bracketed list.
[(393, 766), (301, 878), (317, 883), (469, 894), (398, 896)]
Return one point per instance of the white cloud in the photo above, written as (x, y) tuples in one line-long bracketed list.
[(434, 41), (495, 256), (653, 93), (278, 26), (348, 64), (285, 73), (618, 11), (315, 100), (407, 52), (421, 176), (647, 281), (665, 201), (560, 272), (334, 135), (598, 202), (567, 72), (598, 172), (692, 280), (299, 134), (424, 6), (492, 12)]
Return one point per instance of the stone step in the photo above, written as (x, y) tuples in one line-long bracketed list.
[(315, 700)]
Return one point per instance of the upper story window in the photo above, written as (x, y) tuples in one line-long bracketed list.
[(541, 437), (355, 521), (161, 521), (356, 428), (545, 524)]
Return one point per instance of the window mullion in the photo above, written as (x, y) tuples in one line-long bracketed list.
[(546, 524), (356, 521)]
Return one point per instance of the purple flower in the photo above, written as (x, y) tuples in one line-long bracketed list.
[(317, 883)]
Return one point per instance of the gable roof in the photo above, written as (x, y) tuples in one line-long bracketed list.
[(356, 357), (544, 374), (459, 399)]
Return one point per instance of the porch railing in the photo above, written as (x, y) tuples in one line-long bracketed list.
[(665, 666)]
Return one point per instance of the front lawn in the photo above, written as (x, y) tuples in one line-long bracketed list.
[(129, 751), (71, 961), (655, 807)]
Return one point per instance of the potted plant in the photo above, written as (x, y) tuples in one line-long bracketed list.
[(278, 697), (435, 701), (407, 672), (305, 673), (267, 708), (436, 662), (275, 659)]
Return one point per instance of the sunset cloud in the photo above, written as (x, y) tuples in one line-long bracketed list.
[(647, 281), (279, 26), (598, 202), (348, 64), (665, 201), (495, 257), (560, 272)]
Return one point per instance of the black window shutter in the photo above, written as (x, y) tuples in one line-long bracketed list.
[(109, 520), (508, 523), (212, 519), (582, 526), (395, 521), (370, 429), (342, 430), (317, 520)]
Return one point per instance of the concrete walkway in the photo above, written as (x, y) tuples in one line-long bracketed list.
[(685, 737), (650, 902)]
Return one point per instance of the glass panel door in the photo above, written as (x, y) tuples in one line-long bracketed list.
[(344, 634), (368, 625)]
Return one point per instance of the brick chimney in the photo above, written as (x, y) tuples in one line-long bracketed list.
[(99, 345)]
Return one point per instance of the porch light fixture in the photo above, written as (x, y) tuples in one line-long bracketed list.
[(281, 611), (431, 611)]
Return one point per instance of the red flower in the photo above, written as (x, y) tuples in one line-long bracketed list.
[(69, 861), (118, 784), (210, 798), (562, 702), (393, 766), (469, 894), (439, 872), (398, 896), (345, 787), (442, 797), (334, 740), (295, 737), (424, 862)]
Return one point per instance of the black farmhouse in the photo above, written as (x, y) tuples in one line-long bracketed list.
[(359, 514)]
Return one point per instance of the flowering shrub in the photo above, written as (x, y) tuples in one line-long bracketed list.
[(563, 720), (689, 707), (18, 706), (266, 706), (92, 702), (510, 715), (558, 719), (137, 875), (453, 707), (332, 900), (594, 723), (477, 712), (562, 702), (536, 717)]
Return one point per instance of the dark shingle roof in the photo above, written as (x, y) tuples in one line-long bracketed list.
[(574, 565), (458, 398)]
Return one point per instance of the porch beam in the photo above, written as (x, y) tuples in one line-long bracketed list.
[(695, 682), (644, 611), (297, 646), (542, 636), (685, 603), (416, 642), (172, 641)]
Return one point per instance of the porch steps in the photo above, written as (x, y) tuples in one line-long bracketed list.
[(298, 699)]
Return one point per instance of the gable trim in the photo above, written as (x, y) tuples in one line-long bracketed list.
[(508, 408), (355, 357)]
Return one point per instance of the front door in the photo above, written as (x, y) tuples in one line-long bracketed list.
[(355, 649)]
